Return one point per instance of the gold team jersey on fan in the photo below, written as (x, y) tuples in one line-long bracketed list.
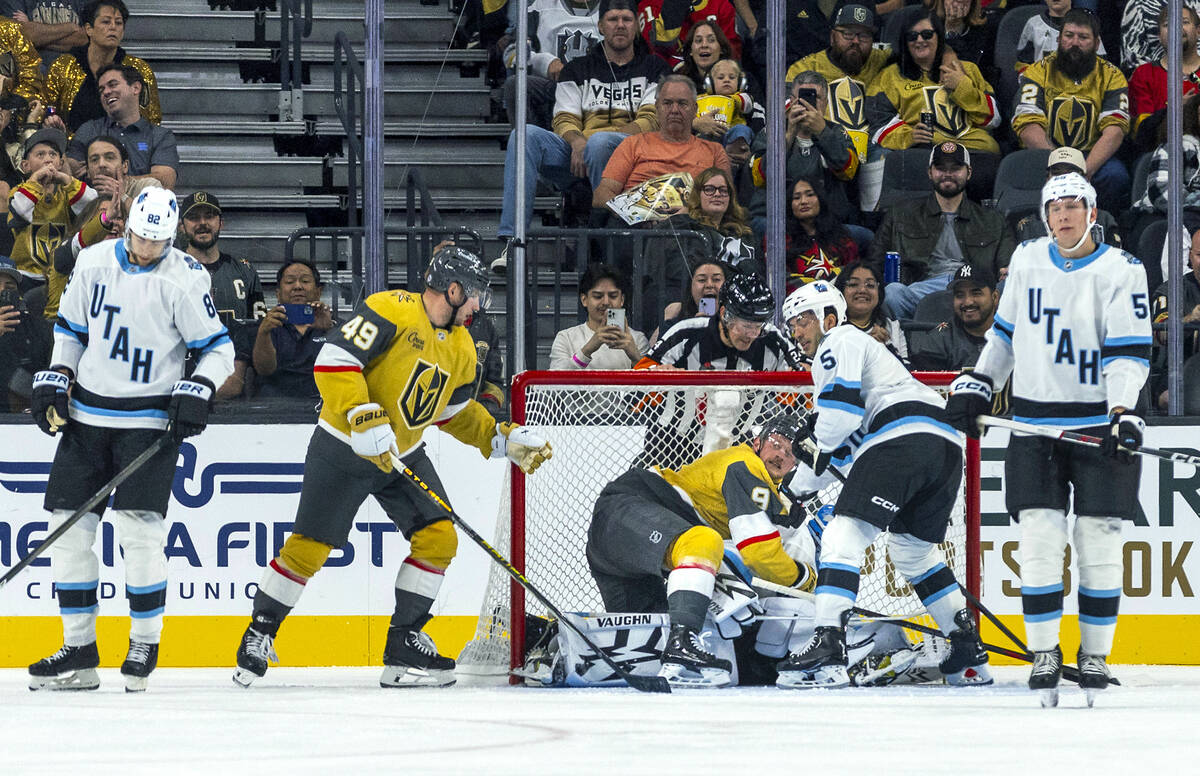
[(895, 104), (735, 496), (1072, 113), (847, 103), (389, 353)]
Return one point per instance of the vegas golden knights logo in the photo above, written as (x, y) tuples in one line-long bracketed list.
[(1072, 121), (947, 116), (847, 104), (421, 396)]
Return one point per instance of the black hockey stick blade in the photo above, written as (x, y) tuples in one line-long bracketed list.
[(88, 506), (641, 683)]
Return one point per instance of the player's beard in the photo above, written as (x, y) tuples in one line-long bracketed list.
[(1074, 63), (204, 241)]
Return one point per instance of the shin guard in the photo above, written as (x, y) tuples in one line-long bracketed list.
[(143, 537), (76, 577), (924, 566), (1098, 553), (1043, 543), (843, 545)]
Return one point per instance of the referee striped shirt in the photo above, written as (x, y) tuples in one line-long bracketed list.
[(695, 343)]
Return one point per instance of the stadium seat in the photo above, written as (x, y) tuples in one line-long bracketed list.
[(935, 308), (1149, 251), (1008, 32), (905, 175), (1141, 172), (1019, 181)]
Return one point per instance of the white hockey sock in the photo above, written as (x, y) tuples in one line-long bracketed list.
[(1098, 552), (143, 537), (1043, 542), (843, 544), (76, 571), (924, 566)]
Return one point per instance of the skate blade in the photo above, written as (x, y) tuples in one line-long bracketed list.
[(136, 683), (829, 677), (85, 679), (1049, 697), (973, 676), (685, 678), (243, 677), (1091, 693), (407, 676)]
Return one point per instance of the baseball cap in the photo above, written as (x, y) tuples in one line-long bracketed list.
[(53, 137), (979, 277), (617, 5), (854, 15), (949, 151), (7, 267), (1069, 156), (199, 198)]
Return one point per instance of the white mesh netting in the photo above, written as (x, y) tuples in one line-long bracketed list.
[(600, 431)]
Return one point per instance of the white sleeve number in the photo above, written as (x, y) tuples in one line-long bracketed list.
[(361, 333), (762, 497)]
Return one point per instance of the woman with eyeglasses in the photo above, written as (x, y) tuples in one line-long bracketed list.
[(930, 96), (816, 244), (862, 286)]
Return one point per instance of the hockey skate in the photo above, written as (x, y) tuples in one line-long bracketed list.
[(139, 662), (879, 670), (1094, 675), (822, 662), (70, 668), (967, 662), (410, 659), (257, 647), (1047, 671), (687, 664)]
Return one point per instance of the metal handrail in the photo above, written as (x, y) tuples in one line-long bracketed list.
[(291, 62)]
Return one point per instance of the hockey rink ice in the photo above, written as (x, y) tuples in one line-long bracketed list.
[(337, 720)]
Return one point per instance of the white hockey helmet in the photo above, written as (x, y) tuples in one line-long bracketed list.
[(816, 296), (154, 215), (1069, 186)]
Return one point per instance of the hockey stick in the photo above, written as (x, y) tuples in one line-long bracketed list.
[(642, 683), (88, 506), (1086, 440)]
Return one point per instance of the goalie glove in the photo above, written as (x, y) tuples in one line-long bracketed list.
[(970, 397), (522, 446), (371, 435), (1125, 430), (734, 605), (48, 402)]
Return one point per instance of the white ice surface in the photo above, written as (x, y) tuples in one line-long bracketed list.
[(337, 720)]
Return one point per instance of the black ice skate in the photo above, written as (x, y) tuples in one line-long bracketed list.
[(967, 662), (1093, 675), (1046, 673), (686, 663), (822, 662), (70, 668), (257, 647), (139, 662), (410, 659)]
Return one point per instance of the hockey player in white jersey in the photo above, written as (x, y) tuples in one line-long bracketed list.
[(1073, 330), (128, 317), (907, 468)]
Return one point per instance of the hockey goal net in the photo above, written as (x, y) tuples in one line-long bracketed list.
[(603, 423)]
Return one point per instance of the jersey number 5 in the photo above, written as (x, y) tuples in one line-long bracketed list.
[(361, 333), (827, 360), (1140, 308)]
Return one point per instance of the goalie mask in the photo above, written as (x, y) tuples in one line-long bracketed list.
[(1070, 186), (453, 264), (815, 297), (153, 217)]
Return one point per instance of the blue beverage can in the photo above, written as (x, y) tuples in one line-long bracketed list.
[(891, 267)]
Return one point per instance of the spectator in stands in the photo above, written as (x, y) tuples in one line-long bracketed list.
[(151, 148), (816, 148), (1153, 202), (40, 212), (666, 22), (596, 343), (25, 341), (940, 232), (72, 80), (969, 32), (601, 98), (1074, 98), (929, 81), (707, 277), (1148, 84), (957, 343), (236, 290), (1060, 162), (559, 31), (725, 111), (1138, 40), (817, 245), (1191, 303), (50, 25), (1039, 36), (672, 148), (22, 75), (703, 46), (284, 353), (862, 286)]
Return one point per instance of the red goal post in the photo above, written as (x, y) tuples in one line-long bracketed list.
[(603, 422)]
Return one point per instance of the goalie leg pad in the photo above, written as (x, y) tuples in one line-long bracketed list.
[(843, 545), (76, 576), (143, 537), (1098, 550), (924, 566), (1043, 544)]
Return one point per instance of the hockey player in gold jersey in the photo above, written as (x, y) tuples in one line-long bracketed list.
[(404, 361), (657, 539)]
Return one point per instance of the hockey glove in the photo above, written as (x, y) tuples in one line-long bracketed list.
[(806, 451), (970, 397), (1125, 430), (523, 447), (49, 400), (187, 412), (371, 435)]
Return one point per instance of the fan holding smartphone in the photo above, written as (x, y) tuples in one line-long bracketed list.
[(290, 335), (604, 340)]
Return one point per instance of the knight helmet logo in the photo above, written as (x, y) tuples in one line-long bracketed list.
[(422, 394)]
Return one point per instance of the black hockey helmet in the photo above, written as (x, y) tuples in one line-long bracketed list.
[(452, 264), (786, 426), (747, 297)]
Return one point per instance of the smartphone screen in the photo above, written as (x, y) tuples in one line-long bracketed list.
[(708, 305), (616, 317), (808, 95), (298, 314)]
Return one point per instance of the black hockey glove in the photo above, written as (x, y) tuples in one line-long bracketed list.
[(188, 410), (970, 397), (49, 401), (1125, 430)]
